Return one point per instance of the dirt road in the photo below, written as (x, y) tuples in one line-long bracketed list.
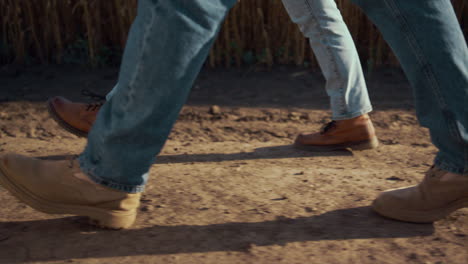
[(228, 187)]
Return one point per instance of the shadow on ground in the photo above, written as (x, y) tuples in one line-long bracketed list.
[(73, 239), (273, 152)]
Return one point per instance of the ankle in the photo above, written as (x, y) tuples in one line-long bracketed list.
[(355, 120), (362, 121), (449, 176), (84, 177)]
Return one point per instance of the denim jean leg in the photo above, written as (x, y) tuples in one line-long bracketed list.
[(333, 46), (429, 43), (111, 93), (168, 43)]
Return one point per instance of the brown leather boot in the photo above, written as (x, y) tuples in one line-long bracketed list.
[(438, 195), (76, 118), (357, 133), (60, 187)]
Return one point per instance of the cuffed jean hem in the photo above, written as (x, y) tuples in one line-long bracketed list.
[(352, 115), (447, 166), (88, 170)]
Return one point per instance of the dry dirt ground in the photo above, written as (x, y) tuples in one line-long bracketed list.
[(228, 187)]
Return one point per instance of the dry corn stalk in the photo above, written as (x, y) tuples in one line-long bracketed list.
[(256, 31)]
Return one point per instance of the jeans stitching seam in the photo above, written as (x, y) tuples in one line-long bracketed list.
[(342, 102), (146, 35)]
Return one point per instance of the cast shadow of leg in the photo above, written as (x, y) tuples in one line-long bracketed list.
[(273, 152), (70, 238)]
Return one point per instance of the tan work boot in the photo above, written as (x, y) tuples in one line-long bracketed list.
[(59, 187), (76, 118), (438, 195), (357, 133)]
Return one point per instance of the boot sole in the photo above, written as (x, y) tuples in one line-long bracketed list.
[(421, 216), (101, 217), (62, 123), (356, 145)]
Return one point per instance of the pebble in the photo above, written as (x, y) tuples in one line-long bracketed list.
[(147, 208), (215, 110)]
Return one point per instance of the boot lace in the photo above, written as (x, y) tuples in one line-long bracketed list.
[(95, 106), (327, 127)]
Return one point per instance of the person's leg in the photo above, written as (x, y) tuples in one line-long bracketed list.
[(428, 41), (333, 46), (321, 22), (168, 43), (166, 49)]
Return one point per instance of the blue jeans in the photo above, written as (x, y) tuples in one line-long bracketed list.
[(322, 23), (333, 46), (428, 41), (170, 39), (167, 45)]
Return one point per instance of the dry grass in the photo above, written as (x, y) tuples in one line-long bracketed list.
[(256, 31)]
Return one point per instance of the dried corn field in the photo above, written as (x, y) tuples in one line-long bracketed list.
[(94, 32)]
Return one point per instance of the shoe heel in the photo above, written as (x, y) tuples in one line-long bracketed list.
[(368, 144), (112, 221)]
